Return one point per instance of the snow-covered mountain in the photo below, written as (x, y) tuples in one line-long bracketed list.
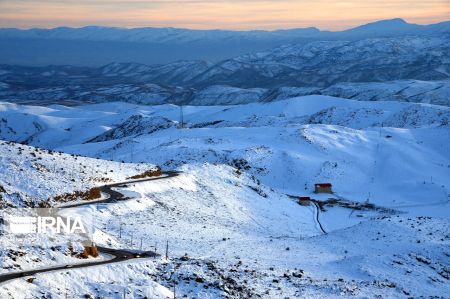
[(404, 68), (366, 110), (176, 73), (231, 218), (93, 45), (33, 175), (431, 92), (328, 62), (394, 27), (57, 126)]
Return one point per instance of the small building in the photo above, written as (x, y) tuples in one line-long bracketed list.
[(323, 188), (304, 200)]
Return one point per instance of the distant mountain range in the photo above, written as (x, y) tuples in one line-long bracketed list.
[(412, 68), (323, 63), (96, 46)]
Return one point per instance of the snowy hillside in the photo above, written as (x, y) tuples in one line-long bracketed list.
[(115, 90), (430, 92), (177, 72), (231, 219), (318, 138), (31, 175), (227, 240), (324, 63)]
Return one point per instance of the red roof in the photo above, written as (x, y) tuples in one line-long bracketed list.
[(323, 184), (305, 198)]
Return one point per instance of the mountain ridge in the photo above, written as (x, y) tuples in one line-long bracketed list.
[(95, 45), (379, 24)]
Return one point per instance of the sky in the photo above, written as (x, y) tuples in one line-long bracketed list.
[(218, 14)]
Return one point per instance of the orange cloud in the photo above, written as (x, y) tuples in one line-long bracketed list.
[(228, 14)]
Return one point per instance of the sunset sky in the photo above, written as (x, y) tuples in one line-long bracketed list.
[(223, 14)]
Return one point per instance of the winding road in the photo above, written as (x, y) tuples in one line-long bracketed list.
[(119, 255), (317, 216), (115, 196)]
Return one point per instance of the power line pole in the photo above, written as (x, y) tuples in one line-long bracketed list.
[(167, 250), (181, 117)]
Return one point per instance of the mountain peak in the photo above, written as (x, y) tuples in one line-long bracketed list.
[(385, 24), (384, 27), (390, 21)]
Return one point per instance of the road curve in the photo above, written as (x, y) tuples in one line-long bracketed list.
[(119, 255), (115, 196)]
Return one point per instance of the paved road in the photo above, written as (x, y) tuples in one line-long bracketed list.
[(317, 217), (115, 196), (119, 255)]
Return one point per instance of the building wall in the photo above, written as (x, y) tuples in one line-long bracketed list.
[(319, 189)]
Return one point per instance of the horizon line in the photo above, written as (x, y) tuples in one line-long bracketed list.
[(222, 29)]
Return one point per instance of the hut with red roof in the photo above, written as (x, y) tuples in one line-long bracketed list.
[(323, 188)]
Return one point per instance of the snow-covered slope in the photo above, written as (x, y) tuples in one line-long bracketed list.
[(231, 218), (324, 63), (176, 73), (32, 175), (225, 95), (430, 92), (315, 137)]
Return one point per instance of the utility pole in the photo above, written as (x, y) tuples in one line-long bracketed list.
[(120, 230), (141, 243), (167, 250), (181, 117)]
